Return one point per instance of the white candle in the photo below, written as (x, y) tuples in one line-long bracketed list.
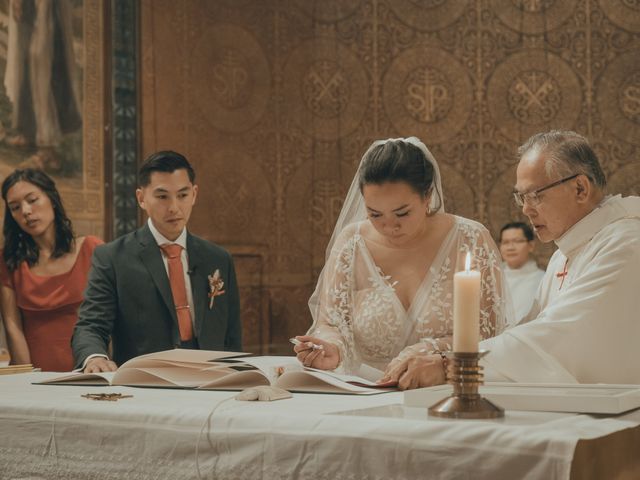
[(466, 309)]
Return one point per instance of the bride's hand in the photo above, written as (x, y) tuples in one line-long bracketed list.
[(407, 352), (316, 353), (420, 370)]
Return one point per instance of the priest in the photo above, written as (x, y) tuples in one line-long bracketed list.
[(585, 323)]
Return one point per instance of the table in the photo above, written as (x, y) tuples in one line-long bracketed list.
[(51, 432)]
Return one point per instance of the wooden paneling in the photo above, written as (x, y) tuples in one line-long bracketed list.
[(275, 101)]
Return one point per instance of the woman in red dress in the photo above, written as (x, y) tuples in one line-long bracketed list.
[(43, 272)]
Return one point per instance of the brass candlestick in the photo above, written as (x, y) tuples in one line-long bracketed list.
[(465, 374)]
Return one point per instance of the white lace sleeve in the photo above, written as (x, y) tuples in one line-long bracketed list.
[(332, 301)]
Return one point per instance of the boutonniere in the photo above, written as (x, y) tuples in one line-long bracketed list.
[(215, 286)]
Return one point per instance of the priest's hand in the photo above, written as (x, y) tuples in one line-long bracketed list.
[(100, 364), (416, 371), (317, 353)]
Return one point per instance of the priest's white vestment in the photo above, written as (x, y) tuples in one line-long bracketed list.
[(585, 322)]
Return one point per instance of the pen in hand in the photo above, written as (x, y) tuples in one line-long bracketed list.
[(313, 346)]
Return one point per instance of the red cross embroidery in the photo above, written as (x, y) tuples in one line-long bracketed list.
[(563, 274)]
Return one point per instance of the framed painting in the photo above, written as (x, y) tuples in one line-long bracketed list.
[(53, 81)]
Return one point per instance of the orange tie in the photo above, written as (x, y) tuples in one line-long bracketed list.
[(178, 289)]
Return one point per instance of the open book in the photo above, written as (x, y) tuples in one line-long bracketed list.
[(212, 370)]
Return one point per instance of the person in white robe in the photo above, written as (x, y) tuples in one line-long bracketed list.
[(585, 324), (386, 289), (520, 270)]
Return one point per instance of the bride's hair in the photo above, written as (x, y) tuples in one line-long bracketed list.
[(399, 161)]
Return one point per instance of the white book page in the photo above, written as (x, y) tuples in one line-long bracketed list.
[(237, 381), (167, 376), (354, 379), (181, 356), (370, 373), (79, 378), (154, 363), (274, 366), (320, 382)]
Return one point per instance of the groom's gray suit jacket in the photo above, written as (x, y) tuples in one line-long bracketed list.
[(128, 299)]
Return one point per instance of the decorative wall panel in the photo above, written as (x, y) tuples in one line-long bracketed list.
[(275, 102), (125, 117)]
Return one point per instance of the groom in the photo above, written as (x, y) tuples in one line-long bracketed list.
[(159, 287)]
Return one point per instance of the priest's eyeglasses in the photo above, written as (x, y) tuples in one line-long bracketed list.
[(532, 198)]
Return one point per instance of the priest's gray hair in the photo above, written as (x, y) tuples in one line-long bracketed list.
[(568, 153)]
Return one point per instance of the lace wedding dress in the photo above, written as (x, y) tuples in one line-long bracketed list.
[(355, 305)]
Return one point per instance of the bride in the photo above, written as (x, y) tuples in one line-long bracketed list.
[(386, 290)]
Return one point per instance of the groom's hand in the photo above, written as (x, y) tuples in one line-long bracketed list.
[(100, 364)]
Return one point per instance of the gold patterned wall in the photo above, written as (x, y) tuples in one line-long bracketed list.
[(85, 202), (275, 101)]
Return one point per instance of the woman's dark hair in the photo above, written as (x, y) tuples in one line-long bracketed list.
[(399, 161), (166, 161), (526, 229), (19, 246)]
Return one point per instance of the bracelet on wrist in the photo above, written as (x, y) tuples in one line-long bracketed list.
[(445, 361)]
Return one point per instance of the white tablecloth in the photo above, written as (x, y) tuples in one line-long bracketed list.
[(51, 432)]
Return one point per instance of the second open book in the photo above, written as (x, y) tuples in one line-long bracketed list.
[(213, 370)]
